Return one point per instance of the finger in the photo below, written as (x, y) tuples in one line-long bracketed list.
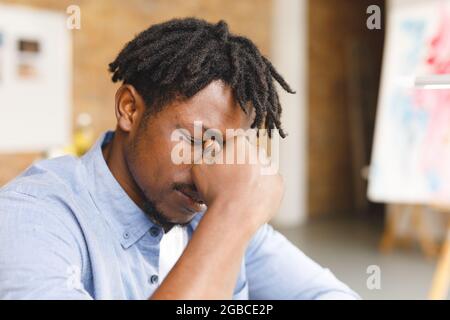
[(239, 150)]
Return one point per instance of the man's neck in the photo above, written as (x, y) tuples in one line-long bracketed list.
[(114, 158)]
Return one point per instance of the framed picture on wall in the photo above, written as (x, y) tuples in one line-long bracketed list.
[(35, 79)]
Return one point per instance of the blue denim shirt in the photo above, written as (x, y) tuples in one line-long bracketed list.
[(69, 231)]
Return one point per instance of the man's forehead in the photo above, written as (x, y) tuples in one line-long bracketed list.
[(213, 115), (220, 123)]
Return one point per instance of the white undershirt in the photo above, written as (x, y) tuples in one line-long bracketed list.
[(171, 247)]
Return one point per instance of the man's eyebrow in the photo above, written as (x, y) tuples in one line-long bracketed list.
[(182, 126)]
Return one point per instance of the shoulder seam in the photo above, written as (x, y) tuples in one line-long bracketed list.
[(20, 193)]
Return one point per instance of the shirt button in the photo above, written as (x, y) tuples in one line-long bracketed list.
[(126, 235), (153, 279), (154, 231)]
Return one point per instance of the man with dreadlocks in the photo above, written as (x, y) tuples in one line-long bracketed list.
[(125, 222)]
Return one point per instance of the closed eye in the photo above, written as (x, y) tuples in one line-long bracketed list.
[(193, 141), (196, 142)]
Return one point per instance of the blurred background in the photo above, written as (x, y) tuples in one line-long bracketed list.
[(366, 195)]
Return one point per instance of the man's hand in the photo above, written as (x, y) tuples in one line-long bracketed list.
[(242, 186)]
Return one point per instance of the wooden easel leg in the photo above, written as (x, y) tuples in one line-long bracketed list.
[(389, 234), (425, 239), (441, 278)]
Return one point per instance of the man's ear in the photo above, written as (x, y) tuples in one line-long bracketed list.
[(128, 107)]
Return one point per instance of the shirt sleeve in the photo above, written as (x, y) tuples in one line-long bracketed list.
[(276, 269), (39, 254)]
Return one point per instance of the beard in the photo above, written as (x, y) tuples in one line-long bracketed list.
[(158, 217)]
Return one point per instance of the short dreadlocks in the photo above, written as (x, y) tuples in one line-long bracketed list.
[(180, 57)]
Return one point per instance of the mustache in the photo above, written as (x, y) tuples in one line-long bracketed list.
[(188, 189)]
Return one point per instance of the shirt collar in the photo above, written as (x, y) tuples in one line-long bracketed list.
[(126, 218)]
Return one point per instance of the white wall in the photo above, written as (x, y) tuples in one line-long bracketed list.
[(289, 55)]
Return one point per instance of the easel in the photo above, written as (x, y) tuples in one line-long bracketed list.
[(395, 213), (441, 279)]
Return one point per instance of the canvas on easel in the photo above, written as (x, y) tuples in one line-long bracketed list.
[(411, 154)]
